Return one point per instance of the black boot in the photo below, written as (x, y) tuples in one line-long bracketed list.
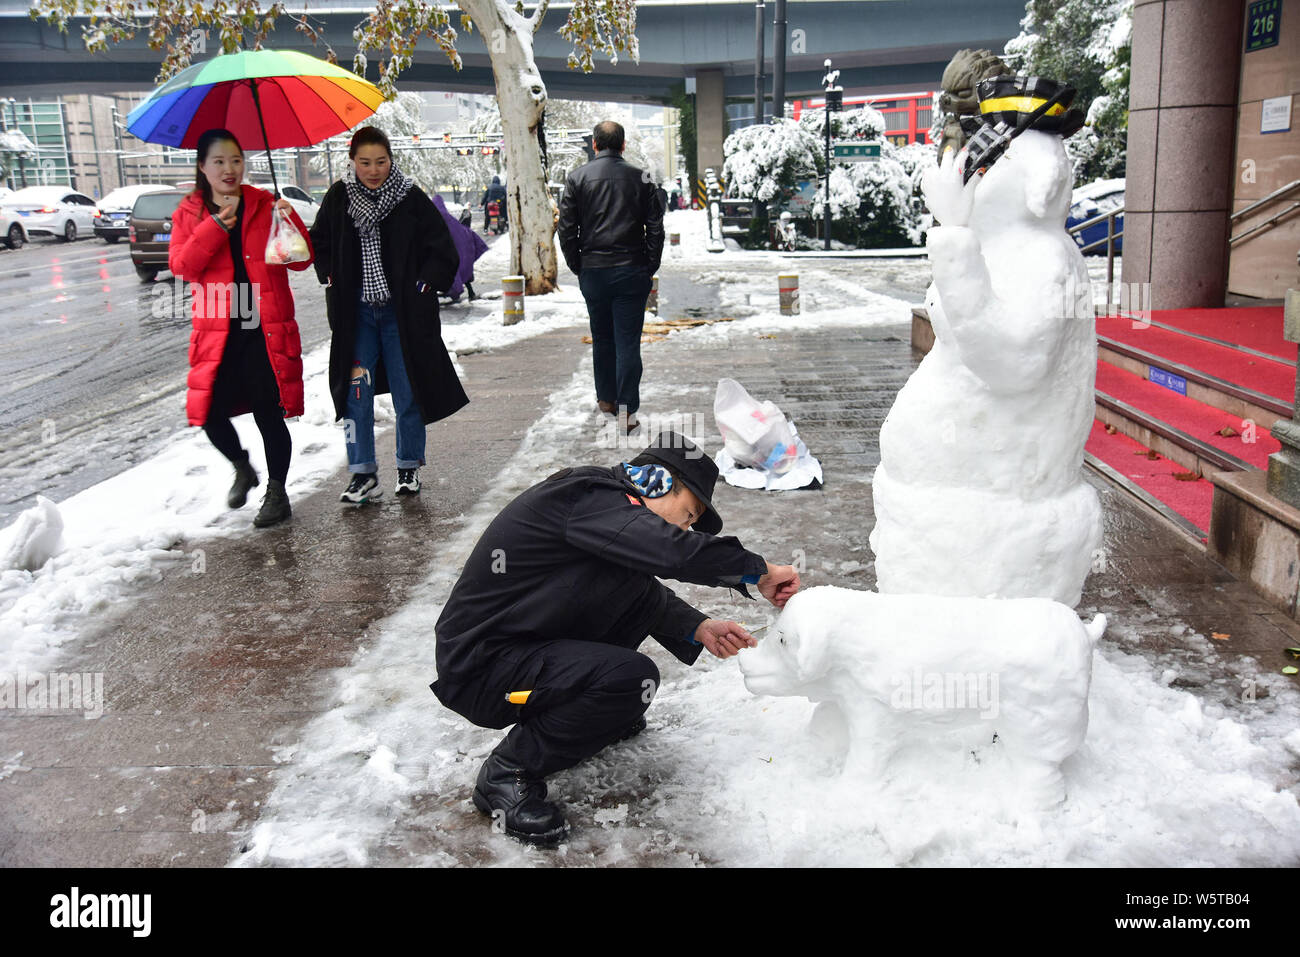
[(635, 728), (517, 800), (245, 478), (275, 505)]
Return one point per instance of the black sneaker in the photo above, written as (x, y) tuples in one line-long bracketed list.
[(245, 479), (363, 487), (517, 803), (408, 482), (275, 505)]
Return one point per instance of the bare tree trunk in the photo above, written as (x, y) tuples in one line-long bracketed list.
[(521, 98)]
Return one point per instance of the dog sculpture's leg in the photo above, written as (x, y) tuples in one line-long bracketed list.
[(830, 729)]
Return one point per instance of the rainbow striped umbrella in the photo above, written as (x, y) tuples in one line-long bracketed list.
[(300, 99)]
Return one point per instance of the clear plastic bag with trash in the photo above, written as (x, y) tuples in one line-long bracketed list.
[(285, 244), (755, 434)]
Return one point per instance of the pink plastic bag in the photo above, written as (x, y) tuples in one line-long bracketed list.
[(285, 244)]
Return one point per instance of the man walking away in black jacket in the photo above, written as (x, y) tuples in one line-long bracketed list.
[(612, 236), (542, 629)]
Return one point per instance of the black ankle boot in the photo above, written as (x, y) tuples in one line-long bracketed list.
[(245, 478), (275, 506), (517, 802), (632, 730)]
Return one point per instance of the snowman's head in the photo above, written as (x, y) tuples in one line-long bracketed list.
[(1029, 182)]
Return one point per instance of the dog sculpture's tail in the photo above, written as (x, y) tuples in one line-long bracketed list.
[(1095, 628)]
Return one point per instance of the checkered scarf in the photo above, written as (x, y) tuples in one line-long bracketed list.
[(368, 208)]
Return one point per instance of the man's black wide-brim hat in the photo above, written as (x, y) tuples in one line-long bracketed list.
[(693, 467)]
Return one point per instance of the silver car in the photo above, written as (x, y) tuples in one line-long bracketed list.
[(113, 212), (54, 211)]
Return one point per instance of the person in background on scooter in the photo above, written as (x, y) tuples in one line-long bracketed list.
[(494, 193)]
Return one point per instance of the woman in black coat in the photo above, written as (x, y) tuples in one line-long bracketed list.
[(384, 253)]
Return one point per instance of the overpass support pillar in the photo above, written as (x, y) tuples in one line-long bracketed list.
[(710, 120)]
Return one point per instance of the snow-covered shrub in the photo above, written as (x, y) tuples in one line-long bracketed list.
[(762, 161)]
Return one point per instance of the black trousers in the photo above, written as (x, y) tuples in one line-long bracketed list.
[(585, 695)]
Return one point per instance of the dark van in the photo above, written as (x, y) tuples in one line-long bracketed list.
[(151, 231)]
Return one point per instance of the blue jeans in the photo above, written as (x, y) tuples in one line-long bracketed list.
[(377, 331), (616, 298)]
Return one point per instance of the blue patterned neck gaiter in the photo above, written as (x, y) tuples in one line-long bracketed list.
[(652, 481)]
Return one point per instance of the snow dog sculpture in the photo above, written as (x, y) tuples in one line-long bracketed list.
[(979, 489), (882, 668)]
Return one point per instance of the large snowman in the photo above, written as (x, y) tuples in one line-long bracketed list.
[(979, 489)]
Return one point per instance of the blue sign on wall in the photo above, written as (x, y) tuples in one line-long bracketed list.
[(1170, 381), (1263, 24)]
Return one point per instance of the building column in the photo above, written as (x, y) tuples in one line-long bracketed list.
[(1181, 131), (710, 120)]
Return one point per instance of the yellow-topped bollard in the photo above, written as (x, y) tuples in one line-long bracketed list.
[(788, 287)]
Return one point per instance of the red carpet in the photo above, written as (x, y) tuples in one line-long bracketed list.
[(1256, 327), (1240, 368), (1195, 418), (1192, 500)]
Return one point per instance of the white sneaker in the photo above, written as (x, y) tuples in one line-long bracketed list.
[(363, 487), (408, 482)]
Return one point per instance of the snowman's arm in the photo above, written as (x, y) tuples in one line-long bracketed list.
[(1010, 356)]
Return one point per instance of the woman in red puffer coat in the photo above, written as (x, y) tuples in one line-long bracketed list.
[(245, 353)]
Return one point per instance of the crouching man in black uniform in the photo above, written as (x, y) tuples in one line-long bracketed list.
[(542, 628)]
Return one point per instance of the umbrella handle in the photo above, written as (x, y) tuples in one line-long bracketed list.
[(257, 103)]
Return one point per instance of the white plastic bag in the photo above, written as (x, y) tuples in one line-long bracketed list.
[(756, 434), (285, 244)]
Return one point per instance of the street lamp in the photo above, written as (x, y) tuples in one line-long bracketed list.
[(834, 101)]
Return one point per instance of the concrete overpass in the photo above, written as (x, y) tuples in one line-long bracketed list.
[(878, 45)]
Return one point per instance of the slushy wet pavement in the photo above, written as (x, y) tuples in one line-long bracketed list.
[(208, 674)]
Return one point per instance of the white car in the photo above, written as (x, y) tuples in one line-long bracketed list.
[(113, 214), (54, 211), (12, 233), (305, 206)]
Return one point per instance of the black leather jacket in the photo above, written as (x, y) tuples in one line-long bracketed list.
[(610, 215)]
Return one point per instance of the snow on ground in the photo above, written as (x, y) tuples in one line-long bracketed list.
[(724, 777)]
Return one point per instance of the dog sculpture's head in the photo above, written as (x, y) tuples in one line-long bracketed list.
[(795, 653)]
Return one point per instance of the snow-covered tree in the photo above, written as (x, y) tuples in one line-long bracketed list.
[(765, 161), (642, 150), (1085, 43), (872, 203), (392, 29)]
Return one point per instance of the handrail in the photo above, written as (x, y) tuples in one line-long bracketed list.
[(1111, 236), (1266, 224), (1276, 194)]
